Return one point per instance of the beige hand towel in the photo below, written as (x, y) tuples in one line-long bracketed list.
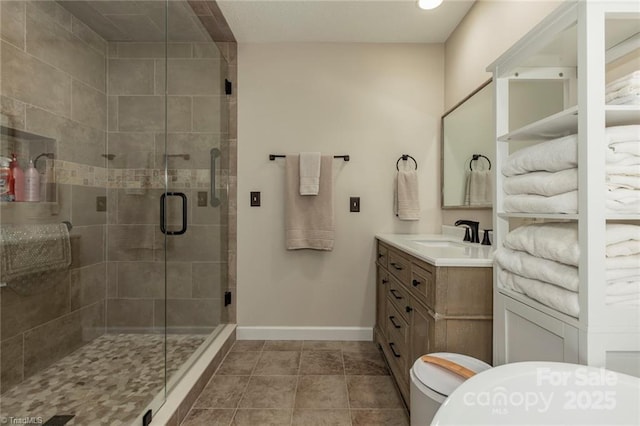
[(309, 220), (407, 196), (309, 173), (480, 188)]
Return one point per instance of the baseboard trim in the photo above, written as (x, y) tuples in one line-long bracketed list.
[(305, 333)]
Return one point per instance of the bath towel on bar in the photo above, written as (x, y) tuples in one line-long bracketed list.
[(309, 220), (309, 173), (406, 195), (30, 249), (479, 188)]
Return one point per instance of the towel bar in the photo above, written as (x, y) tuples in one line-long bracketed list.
[(274, 156)]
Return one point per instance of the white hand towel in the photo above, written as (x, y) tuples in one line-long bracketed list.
[(623, 181), (617, 134), (614, 169), (309, 220), (407, 195), (627, 147), (624, 248), (626, 80), (619, 232), (309, 173)]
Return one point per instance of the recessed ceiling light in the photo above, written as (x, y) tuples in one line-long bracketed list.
[(429, 4)]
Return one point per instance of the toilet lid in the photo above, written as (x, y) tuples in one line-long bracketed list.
[(441, 380), (543, 393)]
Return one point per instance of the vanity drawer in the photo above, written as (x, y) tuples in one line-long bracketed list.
[(382, 256), (397, 326), (399, 266), (398, 345), (398, 296), (423, 285)]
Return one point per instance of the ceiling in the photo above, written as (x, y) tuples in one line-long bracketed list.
[(359, 21), (138, 20)]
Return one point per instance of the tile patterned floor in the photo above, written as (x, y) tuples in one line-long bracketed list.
[(303, 383), (106, 382)]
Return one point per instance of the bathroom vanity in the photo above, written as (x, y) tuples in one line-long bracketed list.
[(433, 294)]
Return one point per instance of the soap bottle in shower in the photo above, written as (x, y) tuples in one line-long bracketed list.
[(18, 179), (31, 183)]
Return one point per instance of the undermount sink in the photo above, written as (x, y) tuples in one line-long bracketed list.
[(439, 244)]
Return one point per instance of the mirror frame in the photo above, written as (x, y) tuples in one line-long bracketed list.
[(461, 207)]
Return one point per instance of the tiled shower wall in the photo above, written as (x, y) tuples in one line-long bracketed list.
[(197, 121), (54, 84), (56, 74)]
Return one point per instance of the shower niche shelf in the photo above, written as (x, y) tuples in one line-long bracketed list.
[(26, 146)]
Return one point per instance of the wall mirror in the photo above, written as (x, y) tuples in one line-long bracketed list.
[(468, 136), (468, 143)]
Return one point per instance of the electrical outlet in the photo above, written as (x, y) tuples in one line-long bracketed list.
[(202, 198), (255, 199), (354, 204), (101, 204)]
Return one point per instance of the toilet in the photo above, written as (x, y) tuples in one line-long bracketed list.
[(543, 393), (431, 382)]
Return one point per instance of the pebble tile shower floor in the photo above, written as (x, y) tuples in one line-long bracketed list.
[(106, 382), (303, 383)]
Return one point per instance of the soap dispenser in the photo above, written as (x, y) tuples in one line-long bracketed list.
[(31, 183), (18, 179)]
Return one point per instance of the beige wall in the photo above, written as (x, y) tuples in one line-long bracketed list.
[(489, 28), (371, 101)]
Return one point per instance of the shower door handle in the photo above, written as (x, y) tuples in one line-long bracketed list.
[(215, 153), (163, 203)]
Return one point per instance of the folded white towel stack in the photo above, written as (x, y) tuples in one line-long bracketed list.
[(407, 195), (309, 173), (541, 260), (624, 91)]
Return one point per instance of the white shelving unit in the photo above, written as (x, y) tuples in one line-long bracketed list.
[(582, 37)]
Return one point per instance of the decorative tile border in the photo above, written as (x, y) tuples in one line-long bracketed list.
[(66, 172)]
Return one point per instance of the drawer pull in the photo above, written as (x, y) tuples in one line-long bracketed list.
[(393, 351), (393, 291), (392, 319), (396, 267), (384, 281), (408, 309), (380, 255), (415, 283)]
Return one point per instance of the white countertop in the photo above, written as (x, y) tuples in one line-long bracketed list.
[(441, 249)]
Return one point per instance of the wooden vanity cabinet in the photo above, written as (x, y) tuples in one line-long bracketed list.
[(421, 308)]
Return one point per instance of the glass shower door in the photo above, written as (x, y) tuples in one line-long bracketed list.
[(196, 158)]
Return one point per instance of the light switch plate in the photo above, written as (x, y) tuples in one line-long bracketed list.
[(354, 204), (255, 199)]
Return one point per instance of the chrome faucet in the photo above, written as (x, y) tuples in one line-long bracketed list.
[(471, 225)]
